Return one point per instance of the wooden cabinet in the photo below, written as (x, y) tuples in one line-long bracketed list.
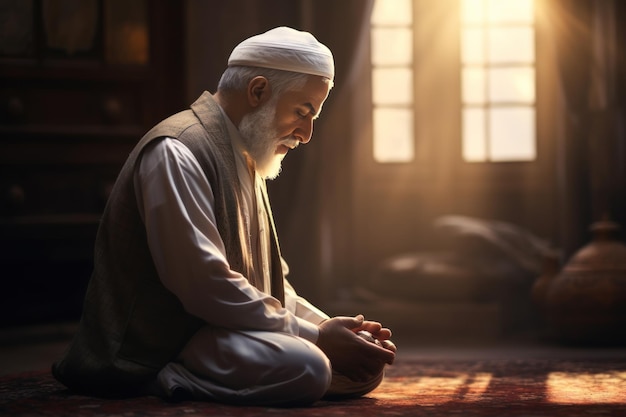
[(80, 82)]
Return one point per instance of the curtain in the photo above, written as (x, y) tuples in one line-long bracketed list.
[(589, 43), (311, 199), (570, 21)]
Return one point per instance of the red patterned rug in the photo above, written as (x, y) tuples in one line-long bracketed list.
[(412, 388)]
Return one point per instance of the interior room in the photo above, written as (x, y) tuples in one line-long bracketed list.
[(465, 184)]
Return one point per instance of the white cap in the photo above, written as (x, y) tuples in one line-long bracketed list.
[(285, 49)]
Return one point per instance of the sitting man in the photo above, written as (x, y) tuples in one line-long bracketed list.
[(188, 296)]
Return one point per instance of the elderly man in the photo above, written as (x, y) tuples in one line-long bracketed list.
[(188, 296)]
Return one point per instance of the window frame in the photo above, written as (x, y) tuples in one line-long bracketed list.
[(487, 67), (424, 150)]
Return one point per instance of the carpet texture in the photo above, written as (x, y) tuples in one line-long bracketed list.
[(412, 388)]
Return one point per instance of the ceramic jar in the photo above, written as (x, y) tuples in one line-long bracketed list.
[(586, 302), (549, 271)]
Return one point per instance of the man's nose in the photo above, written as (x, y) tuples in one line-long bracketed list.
[(305, 130)]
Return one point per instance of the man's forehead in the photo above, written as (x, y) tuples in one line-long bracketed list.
[(312, 99)]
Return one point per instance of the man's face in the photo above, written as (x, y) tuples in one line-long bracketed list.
[(282, 124)]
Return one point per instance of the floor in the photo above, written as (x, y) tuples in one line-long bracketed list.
[(32, 348)]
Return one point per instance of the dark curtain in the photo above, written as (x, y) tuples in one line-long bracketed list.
[(311, 199), (571, 21), (589, 38)]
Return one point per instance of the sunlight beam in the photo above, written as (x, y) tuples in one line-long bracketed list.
[(586, 388)]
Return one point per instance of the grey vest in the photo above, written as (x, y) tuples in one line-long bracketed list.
[(131, 325)]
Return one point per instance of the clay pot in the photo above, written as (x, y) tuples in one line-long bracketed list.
[(586, 302), (549, 271)]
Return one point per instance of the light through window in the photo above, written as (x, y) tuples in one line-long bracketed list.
[(498, 80), (392, 80), (497, 46)]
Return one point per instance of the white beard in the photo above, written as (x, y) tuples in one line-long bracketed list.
[(261, 140)]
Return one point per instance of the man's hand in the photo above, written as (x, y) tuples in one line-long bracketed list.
[(380, 333), (351, 355)]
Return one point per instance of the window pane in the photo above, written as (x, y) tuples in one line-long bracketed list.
[(473, 46), (474, 138), (516, 84), (71, 28), (510, 11), (392, 46), (396, 12), (511, 45), (473, 85), (392, 86), (512, 131), (498, 80), (393, 135), (472, 11)]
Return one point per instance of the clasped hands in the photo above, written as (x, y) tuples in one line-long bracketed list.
[(351, 355)]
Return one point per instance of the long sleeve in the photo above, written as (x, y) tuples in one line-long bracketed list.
[(176, 202)]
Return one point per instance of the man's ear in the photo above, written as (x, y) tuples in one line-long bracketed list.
[(259, 91)]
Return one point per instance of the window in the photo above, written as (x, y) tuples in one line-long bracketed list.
[(392, 80), (498, 80), (497, 75)]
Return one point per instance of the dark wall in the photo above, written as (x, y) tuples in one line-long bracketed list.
[(72, 105)]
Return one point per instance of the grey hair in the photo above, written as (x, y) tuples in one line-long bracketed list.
[(236, 78)]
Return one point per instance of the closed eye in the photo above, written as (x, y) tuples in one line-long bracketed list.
[(310, 110)]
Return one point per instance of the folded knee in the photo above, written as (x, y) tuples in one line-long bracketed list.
[(313, 380)]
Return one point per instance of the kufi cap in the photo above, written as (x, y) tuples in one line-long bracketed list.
[(285, 49)]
